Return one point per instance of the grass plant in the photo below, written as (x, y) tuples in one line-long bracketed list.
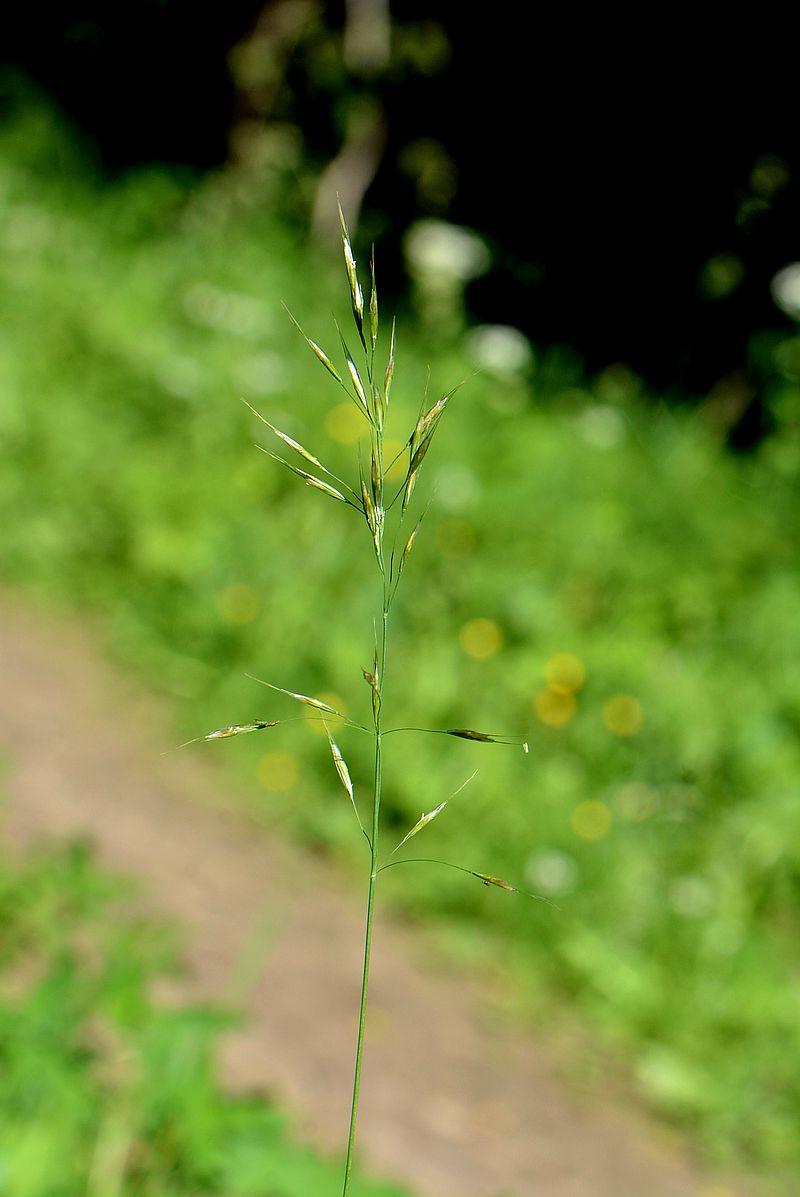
[(384, 509)]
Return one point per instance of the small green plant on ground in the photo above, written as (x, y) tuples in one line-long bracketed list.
[(384, 511), (103, 1092)]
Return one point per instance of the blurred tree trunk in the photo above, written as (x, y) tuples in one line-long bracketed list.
[(367, 49)]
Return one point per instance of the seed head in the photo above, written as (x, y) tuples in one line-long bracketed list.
[(352, 277), (373, 305), (320, 354), (239, 729), (389, 375)]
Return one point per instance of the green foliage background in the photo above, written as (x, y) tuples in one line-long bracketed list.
[(577, 517), (103, 1092)]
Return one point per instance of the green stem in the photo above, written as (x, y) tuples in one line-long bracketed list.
[(373, 875)]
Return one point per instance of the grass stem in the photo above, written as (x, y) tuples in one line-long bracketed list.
[(373, 877)]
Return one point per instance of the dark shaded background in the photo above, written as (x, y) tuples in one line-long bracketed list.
[(636, 177)]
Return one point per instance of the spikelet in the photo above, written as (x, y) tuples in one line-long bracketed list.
[(389, 375), (309, 479), (408, 546), (373, 305), (424, 820), (288, 440), (356, 294), (467, 733), (237, 729), (319, 353), (360, 397), (317, 703), (487, 879)]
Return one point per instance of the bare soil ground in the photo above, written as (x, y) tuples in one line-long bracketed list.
[(455, 1102)]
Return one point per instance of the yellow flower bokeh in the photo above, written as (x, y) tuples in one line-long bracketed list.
[(623, 715), (481, 638), (556, 705), (555, 708), (565, 671), (591, 820), (345, 424)]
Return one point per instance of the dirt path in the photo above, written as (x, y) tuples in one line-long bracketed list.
[(452, 1104)]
